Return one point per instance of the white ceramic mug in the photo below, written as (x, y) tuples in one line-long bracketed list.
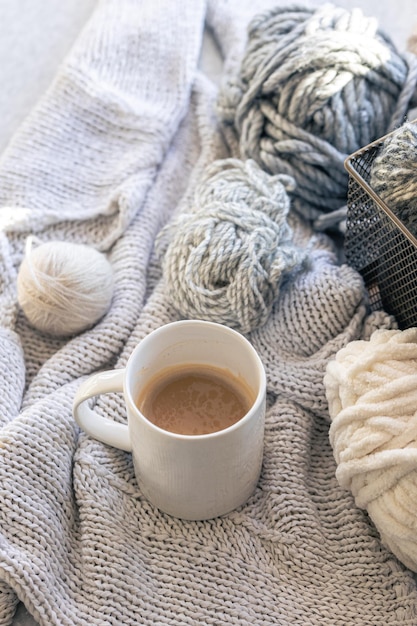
[(188, 476)]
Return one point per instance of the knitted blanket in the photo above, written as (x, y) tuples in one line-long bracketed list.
[(112, 151)]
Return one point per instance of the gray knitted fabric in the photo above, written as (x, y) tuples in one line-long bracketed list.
[(115, 148)]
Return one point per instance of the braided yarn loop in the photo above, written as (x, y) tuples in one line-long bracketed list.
[(371, 388), (313, 87), (225, 260), (393, 174)]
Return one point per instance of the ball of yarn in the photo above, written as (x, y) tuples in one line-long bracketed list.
[(64, 288), (226, 259), (371, 388), (314, 86), (393, 174)]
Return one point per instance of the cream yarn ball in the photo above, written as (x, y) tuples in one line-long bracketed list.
[(64, 288), (371, 388)]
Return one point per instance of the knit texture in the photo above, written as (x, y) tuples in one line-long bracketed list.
[(314, 85), (113, 152)]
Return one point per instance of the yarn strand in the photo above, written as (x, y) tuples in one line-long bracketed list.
[(371, 390), (313, 87), (226, 259)]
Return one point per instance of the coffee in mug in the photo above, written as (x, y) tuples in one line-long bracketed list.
[(191, 475), (195, 399)]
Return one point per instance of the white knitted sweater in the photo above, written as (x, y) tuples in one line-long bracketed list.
[(113, 149)]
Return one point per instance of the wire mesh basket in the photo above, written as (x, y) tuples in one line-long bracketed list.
[(378, 245)]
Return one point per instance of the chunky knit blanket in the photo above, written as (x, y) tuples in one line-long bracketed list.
[(112, 151)]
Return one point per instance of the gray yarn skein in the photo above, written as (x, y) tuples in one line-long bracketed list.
[(225, 260), (394, 174), (313, 87)]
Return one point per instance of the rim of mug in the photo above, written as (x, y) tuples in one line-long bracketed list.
[(255, 406)]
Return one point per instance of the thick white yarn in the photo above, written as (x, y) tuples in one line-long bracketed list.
[(64, 288), (371, 388), (226, 259)]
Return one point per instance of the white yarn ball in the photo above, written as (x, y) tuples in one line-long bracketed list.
[(64, 288), (371, 388)]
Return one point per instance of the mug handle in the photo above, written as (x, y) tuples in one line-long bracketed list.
[(99, 427)]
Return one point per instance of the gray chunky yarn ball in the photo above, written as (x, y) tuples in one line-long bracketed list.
[(394, 174), (314, 86), (225, 260)]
